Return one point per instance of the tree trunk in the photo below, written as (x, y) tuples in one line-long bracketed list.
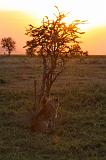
[(48, 89), (43, 84), (42, 89), (9, 52)]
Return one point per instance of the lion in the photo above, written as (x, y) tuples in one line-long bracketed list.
[(44, 121)]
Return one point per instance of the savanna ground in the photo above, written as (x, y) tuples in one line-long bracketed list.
[(81, 135)]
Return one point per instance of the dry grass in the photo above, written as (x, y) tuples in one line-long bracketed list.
[(82, 90)]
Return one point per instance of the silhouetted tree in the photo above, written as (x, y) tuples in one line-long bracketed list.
[(30, 52), (54, 41), (8, 44)]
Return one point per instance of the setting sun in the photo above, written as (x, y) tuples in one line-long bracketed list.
[(93, 11), (24, 12)]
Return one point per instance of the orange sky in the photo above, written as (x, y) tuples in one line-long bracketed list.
[(16, 15)]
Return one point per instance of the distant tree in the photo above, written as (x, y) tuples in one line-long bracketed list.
[(54, 42), (8, 44)]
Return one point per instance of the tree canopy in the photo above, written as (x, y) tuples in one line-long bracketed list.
[(8, 44), (54, 41)]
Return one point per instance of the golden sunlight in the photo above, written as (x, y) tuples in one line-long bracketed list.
[(17, 14), (91, 10)]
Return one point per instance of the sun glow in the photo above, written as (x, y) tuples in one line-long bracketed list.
[(15, 16), (93, 11)]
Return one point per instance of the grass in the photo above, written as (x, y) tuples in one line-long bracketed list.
[(81, 135)]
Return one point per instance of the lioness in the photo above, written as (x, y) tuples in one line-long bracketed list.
[(45, 119)]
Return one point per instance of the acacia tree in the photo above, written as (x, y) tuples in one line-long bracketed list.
[(8, 44), (54, 42)]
